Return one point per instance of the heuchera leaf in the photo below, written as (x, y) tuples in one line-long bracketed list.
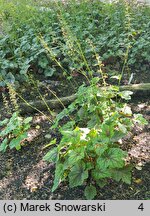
[(93, 121), (107, 133), (8, 129), (71, 136), (52, 155), (93, 133), (68, 126), (49, 72), (4, 122), (58, 175), (52, 142), (126, 111), (60, 116), (100, 148), (122, 128), (100, 173), (4, 145), (123, 174), (77, 175), (126, 95), (90, 192), (117, 135), (113, 158), (27, 120), (76, 155), (15, 143), (139, 119), (95, 80), (89, 165), (101, 182)]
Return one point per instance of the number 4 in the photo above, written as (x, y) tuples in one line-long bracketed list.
[(141, 207)]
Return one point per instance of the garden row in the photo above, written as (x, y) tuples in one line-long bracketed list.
[(57, 39)]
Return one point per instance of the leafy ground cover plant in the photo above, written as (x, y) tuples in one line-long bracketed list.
[(13, 131), (90, 153), (21, 50), (113, 29)]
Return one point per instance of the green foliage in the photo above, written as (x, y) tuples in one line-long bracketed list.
[(119, 31), (90, 192), (21, 50), (14, 131), (89, 151)]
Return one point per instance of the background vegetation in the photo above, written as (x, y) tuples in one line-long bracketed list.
[(119, 32), (103, 44)]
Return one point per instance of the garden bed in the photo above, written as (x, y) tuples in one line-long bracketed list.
[(103, 46), (24, 175)]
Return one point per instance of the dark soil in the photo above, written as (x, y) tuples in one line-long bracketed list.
[(24, 175)]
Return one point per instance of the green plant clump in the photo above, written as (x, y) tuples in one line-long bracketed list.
[(90, 152), (14, 131), (119, 31)]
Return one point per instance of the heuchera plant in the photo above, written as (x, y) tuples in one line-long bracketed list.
[(14, 131), (89, 152)]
